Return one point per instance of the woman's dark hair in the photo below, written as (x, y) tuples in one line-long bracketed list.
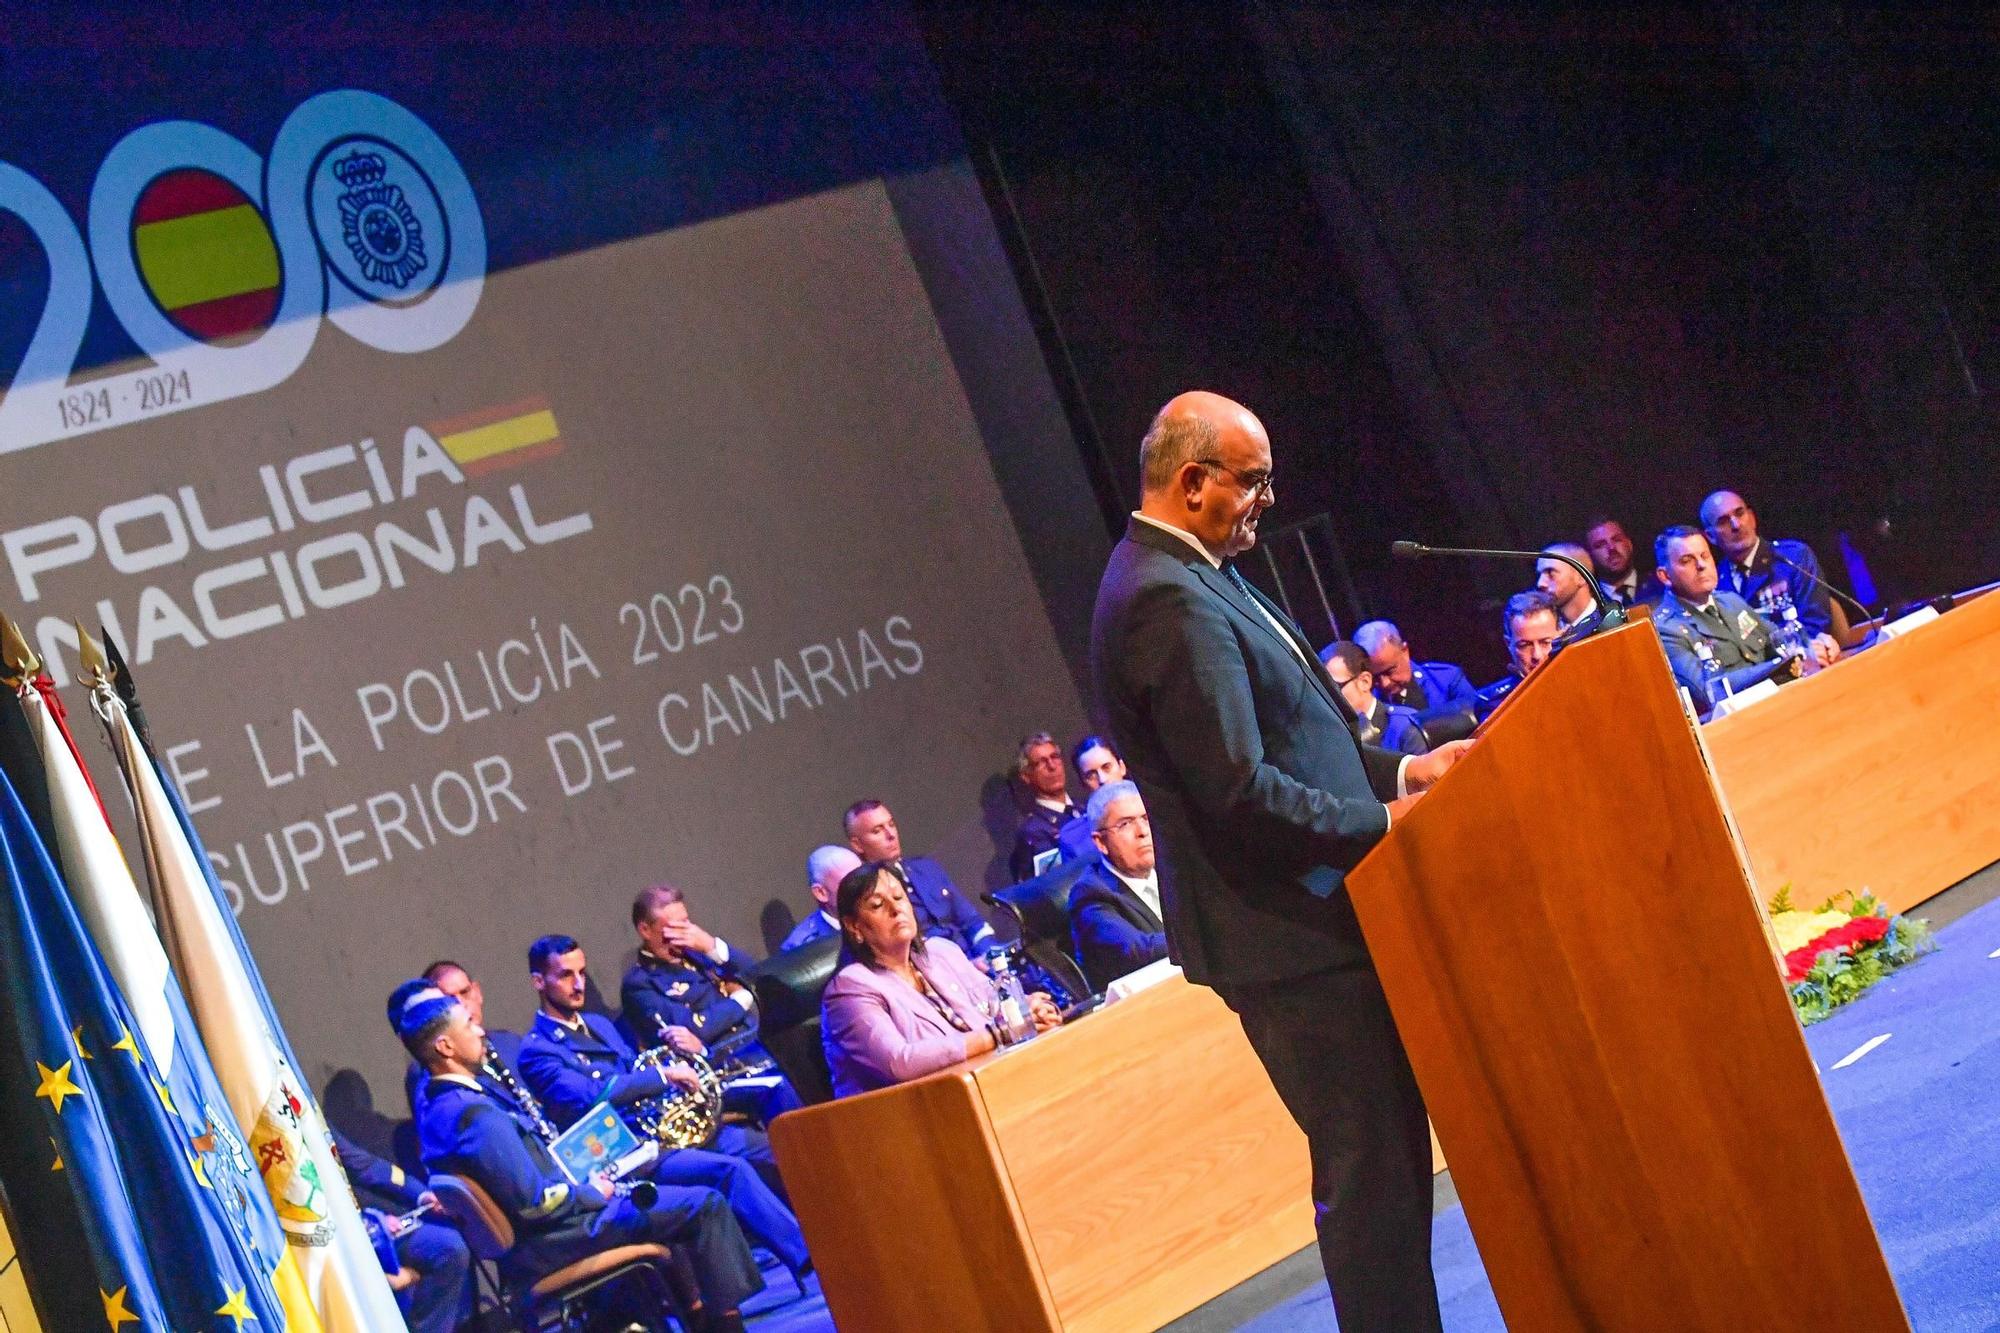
[(857, 884)]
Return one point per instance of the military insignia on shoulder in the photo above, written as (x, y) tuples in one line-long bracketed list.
[(678, 989)]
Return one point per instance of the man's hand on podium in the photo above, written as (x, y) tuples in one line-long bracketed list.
[(1426, 769)]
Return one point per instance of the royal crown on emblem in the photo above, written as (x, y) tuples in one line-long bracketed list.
[(359, 169)]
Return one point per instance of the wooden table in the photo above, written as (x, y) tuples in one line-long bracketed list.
[(1881, 772), (1109, 1176)]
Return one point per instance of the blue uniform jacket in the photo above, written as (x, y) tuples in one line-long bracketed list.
[(1746, 651), (685, 993), (377, 1183), (814, 927), (1040, 831), (1113, 929), (1076, 842), (1436, 689), (570, 1072), (941, 909), (464, 1132)]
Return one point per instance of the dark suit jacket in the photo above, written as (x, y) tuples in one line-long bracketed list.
[(1260, 795), (1113, 929)]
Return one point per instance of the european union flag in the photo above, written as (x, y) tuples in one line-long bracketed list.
[(119, 1219)]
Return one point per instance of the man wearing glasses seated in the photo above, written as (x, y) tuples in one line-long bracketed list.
[(1114, 908)]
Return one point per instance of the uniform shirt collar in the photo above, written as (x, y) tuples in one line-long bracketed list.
[(1184, 535)]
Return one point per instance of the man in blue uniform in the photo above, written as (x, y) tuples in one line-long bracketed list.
[(941, 909), (1391, 726), (464, 1131), (1698, 620), (687, 988), (430, 1247), (1114, 907), (825, 868), (1441, 694), (1039, 766), (1529, 627), (1765, 572), (572, 1060)]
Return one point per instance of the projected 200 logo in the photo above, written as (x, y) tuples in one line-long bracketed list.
[(222, 265)]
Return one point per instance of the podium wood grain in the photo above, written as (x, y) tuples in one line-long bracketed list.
[(1577, 963), (1106, 1177), (1881, 772)]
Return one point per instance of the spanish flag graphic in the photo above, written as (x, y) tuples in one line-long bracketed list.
[(206, 255), (498, 437)]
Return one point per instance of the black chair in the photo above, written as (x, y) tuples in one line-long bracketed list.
[(788, 987), (1040, 907)]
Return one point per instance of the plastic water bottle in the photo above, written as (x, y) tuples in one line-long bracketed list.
[(1714, 684), (1015, 1024)]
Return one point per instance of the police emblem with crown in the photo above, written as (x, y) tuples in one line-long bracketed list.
[(380, 228), (379, 222)]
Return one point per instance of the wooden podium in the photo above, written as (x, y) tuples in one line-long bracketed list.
[(1580, 968)]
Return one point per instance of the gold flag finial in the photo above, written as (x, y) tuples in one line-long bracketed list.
[(16, 656), (94, 668)]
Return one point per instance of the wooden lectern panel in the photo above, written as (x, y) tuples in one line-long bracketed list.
[(1154, 1164), (912, 1222), (1882, 773), (1578, 965)]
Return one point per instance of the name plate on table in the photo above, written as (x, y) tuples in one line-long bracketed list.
[(1743, 698)]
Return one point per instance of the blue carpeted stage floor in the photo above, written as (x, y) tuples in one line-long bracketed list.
[(1919, 1110)]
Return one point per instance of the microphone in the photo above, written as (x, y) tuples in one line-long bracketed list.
[(1826, 583), (1609, 613)]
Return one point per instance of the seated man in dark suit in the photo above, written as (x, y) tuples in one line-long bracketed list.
[(1114, 907), (1700, 624), (1610, 550), (1391, 726), (463, 1130), (430, 1247), (1765, 572), (1039, 766), (572, 1060), (941, 909), (1442, 696), (825, 868), (1529, 628), (687, 988)]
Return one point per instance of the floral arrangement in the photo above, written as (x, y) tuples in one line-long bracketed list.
[(1834, 954)]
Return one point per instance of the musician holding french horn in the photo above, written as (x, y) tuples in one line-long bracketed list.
[(687, 985), (572, 1060)]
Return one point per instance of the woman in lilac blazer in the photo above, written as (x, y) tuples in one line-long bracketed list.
[(902, 1006)]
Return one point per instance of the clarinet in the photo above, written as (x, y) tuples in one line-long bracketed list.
[(494, 1067)]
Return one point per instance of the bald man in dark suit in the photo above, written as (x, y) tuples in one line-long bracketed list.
[(1262, 798)]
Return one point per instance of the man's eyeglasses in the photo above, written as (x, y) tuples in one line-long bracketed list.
[(1123, 825), (1258, 484)]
